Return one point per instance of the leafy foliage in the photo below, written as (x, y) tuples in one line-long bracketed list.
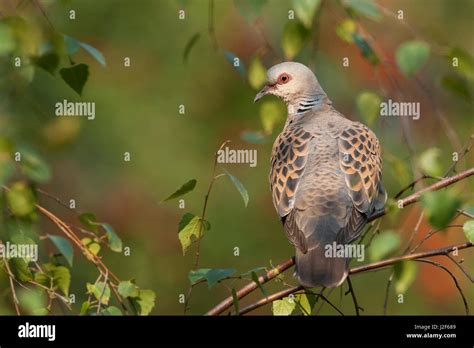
[(240, 187), (468, 229), (75, 76), (368, 106), (285, 306), (411, 56), (440, 207), (295, 36), (383, 245), (185, 188)]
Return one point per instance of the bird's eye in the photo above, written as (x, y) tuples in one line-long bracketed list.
[(284, 78)]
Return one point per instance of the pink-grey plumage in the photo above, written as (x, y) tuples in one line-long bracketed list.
[(325, 174)]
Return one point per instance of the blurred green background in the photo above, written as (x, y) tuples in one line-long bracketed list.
[(137, 112)]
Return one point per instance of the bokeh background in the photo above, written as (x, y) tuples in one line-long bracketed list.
[(137, 111)]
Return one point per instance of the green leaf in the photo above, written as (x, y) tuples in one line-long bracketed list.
[(48, 62), (295, 36), (100, 290), (32, 301), (20, 269), (235, 62), (368, 106), (285, 306), (20, 199), (383, 245), (456, 85), (114, 241), (305, 302), (366, 8), (84, 307), (254, 137), (89, 220), (111, 310), (61, 278), (260, 285), (75, 76), (429, 162), (411, 55), (235, 301), (272, 114), (254, 270), (64, 247), (196, 276), (305, 10), (465, 62), (365, 48), (238, 185), (145, 301), (250, 9), (128, 289), (190, 227), (191, 43), (405, 275), (7, 40), (213, 276), (94, 52), (257, 73), (346, 30), (468, 229), (91, 245), (185, 188), (33, 166), (440, 207)]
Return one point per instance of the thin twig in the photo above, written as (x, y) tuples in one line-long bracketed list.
[(16, 303), (466, 306), (354, 298)]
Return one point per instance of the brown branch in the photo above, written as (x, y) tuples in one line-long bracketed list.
[(376, 265), (247, 289)]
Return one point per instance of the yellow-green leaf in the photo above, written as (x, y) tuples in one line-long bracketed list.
[(305, 10), (295, 36), (468, 229), (21, 199), (411, 55), (429, 162), (272, 114), (383, 245), (368, 106), (405, 275), (285, 306), (257, 73), (440, 207)]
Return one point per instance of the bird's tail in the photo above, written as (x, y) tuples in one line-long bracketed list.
[(321, 264), (316, 269)]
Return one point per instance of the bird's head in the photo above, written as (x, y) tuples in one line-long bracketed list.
[(291, 82)]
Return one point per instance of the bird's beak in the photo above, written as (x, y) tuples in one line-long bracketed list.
[(263, 92)]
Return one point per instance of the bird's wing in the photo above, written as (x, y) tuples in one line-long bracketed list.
[(289, 157), (360, 161)]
